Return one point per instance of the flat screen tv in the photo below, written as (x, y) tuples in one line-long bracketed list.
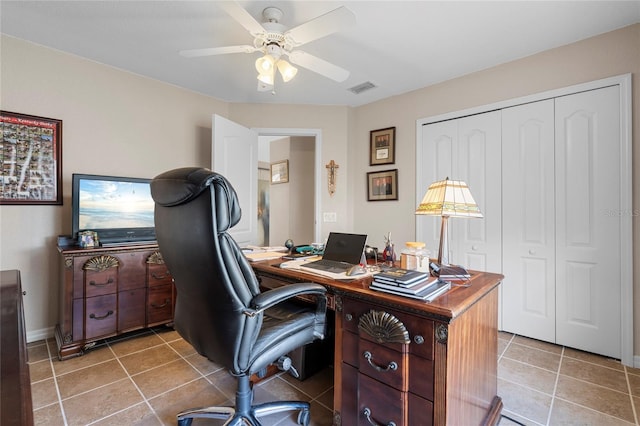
[(118, 209)]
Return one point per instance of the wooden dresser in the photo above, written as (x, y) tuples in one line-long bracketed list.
[(15, 391), (404, 362), (108, 291)]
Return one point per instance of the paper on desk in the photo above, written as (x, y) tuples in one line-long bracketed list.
[(265, 255), (295, 264)]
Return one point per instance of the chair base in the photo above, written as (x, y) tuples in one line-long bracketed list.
[(236, 418), (244, 412)]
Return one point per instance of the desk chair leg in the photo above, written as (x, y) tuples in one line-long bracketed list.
[(244, 411)]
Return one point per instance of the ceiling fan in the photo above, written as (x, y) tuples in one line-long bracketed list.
[(275, 41)]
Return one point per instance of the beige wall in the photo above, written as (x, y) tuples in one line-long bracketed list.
[(607, 55), (119, 123), (114, 123)]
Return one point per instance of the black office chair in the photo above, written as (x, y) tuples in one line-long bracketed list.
[(219, 307)]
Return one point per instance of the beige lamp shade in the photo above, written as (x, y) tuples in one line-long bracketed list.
[(449, 198)]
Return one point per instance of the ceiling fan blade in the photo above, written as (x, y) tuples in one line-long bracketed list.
[(320, 66), (322, 26), (210, 51), (243, 17)]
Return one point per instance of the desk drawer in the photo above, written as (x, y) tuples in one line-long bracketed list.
[(383, 364), (420, 329), (379, 404)]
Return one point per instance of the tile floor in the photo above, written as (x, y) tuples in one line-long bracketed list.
[(145, 379)]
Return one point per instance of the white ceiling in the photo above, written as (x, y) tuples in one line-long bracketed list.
[(397, 45)]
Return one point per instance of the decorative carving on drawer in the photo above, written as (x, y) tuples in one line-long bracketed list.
[(383, 327), (442, 333), (156, 258), (68, 262), (101, 263)]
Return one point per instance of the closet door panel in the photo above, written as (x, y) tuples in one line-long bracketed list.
[(476, 243), (528, 212), (439, 145), (588, 230)]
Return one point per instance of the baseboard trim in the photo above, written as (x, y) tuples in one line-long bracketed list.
[(42, 334)]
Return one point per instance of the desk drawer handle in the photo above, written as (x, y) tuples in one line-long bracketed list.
[(159, 277), (93, 316), (166, 302), (367, 414), (95, 284), (391, 367)]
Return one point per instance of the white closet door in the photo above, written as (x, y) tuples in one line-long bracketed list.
[(528, 226), (477, 243), (439, 141), (588, 185), (465, 149)]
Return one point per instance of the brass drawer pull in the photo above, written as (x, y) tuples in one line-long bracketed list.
[(93, 316), (391, 367), (159, 277), (95, 284), (166, 302), (367, 414)]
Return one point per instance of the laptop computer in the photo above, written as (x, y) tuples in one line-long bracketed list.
[(341, 252)]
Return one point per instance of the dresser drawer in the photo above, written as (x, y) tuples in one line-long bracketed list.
[(160, 304), (100, 316), (158, 274), (379, 404), (99, 283), (131, 312)]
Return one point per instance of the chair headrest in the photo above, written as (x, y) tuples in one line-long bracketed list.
[(180, 186)]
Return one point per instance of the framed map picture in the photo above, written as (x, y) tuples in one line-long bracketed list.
[(30, 159)]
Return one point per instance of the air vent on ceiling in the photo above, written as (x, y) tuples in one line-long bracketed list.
[(363, 87)]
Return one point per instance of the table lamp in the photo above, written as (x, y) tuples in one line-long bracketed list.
[(448, 198)]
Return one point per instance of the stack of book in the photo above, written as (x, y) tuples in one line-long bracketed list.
[(409, 283)]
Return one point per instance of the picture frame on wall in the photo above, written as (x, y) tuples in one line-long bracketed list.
[(280, 172), (382, 185), (382, 146), (31, 159)]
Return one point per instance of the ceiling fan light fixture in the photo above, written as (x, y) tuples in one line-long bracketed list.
[(266, 78), (287, 71), (265, 64)]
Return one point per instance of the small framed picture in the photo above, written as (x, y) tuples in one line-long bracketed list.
[(88, 239), (383, 146), (383, 185), (280, 172)]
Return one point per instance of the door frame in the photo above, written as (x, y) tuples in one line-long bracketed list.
[(626, 224), (317, 134)]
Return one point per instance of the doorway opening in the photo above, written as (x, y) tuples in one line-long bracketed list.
[(289, 210)]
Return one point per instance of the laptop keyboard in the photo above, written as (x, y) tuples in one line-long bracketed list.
[(328, 265)]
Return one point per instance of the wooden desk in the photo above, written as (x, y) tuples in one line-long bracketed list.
[(444, 372)]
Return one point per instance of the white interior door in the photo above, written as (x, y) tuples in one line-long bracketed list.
[(466, 149), (588, 221), (528, 221), (477, 243), (235, 156)]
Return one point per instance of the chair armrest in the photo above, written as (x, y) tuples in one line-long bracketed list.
[(272, 297)]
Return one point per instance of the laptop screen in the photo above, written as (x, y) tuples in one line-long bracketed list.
[(345, 247)]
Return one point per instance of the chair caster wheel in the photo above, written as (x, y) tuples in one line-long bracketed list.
[(185, 422), (304, 417)]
